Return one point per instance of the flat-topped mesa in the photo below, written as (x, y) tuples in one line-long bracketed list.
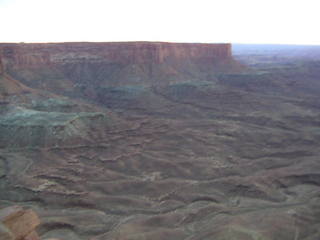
[(82, 68), (35, 54)]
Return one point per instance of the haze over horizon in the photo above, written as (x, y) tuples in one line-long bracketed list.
[(248, 21)]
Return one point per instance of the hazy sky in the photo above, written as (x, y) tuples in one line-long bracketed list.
[(242, 21)]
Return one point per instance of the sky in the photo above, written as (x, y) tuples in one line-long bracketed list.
[(210, 21)]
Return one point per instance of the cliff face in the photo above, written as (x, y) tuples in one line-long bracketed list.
[(82, 69), (123, 53), (8, 85)]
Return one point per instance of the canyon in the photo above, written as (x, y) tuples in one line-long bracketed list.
[(154, 140)]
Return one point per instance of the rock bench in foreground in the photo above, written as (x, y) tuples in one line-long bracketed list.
[(16, 223)]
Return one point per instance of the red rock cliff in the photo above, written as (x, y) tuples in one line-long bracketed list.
[(36, 54)]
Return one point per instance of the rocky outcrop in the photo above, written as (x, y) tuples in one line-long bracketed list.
[(9, 86), (29, 128), (17, 223)]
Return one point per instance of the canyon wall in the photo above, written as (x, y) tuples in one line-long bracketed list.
[(36, 54), (93, 70)]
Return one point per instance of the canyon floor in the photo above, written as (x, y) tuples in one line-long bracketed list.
[(230, 155)]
